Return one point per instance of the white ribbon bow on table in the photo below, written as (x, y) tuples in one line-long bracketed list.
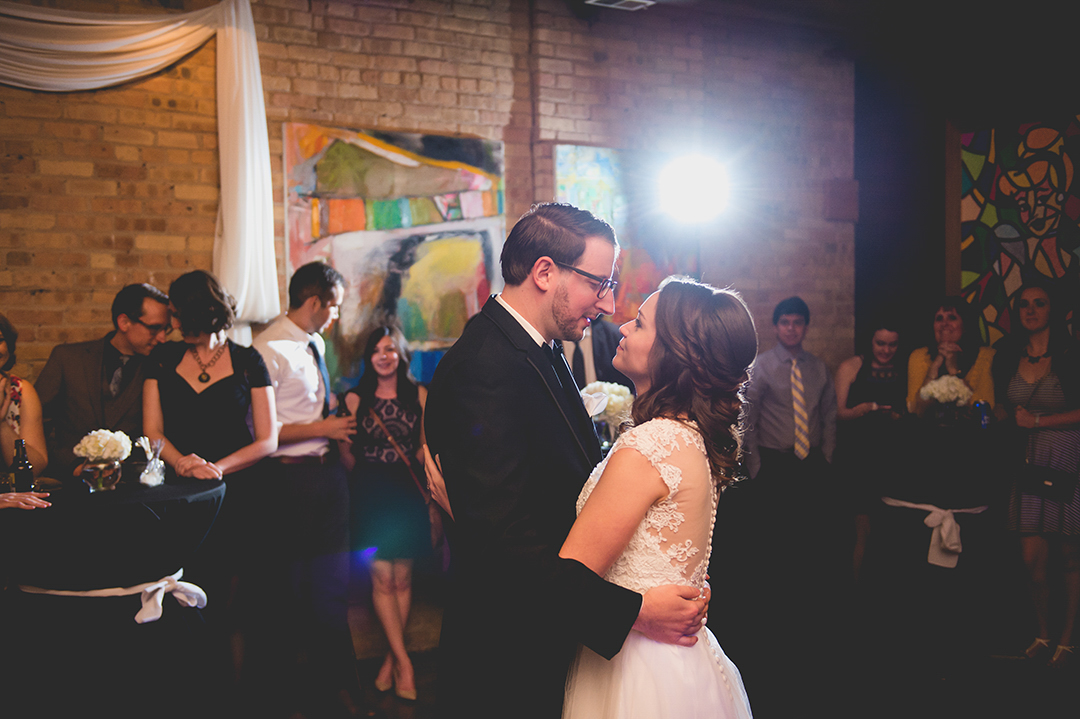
[(945, 546), (186, 593), (152, 594)]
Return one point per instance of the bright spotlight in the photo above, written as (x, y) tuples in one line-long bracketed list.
[(693, 189)]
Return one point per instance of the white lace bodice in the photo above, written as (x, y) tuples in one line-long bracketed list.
[(673, 542)]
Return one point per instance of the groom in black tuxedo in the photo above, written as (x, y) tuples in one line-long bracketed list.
[(506, 421)]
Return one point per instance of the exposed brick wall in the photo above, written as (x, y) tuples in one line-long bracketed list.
[(103, 188), (778, 108)]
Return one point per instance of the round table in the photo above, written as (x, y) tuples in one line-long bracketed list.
[(94, 654), (128, 536)]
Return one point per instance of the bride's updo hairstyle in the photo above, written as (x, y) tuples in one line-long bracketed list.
[(699, 365)]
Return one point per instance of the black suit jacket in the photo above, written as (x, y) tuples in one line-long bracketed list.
[(516, 448), (605, 339), (75, 400)]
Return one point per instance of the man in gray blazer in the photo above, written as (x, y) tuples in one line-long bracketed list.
[(98, 384)]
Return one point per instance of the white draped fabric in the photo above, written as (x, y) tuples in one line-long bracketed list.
[(59, 51)]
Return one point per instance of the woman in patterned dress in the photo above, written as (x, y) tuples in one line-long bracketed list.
[(20, 408), (1038, 377), (389, 515)]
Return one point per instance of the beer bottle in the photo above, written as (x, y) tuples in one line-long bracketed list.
[(22, 469)]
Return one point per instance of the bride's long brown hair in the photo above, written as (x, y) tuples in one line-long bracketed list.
[(699, 366)]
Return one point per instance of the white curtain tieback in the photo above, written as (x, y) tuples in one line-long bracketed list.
[(186, 593), (945, 546)]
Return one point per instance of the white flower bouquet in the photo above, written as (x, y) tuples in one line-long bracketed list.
[(103, 445), (619, 401), (947, 389), (609, 406)]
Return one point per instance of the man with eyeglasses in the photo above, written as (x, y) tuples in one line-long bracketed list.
[(98, 384), (506, 422)]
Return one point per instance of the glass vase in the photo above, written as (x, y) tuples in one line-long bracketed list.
[(101, 475)]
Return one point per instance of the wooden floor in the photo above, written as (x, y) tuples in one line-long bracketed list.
[(1000, 685)]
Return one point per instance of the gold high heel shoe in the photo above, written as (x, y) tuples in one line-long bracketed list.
[(1037, 648), (1062, 656), (385, 686), (408, 695)]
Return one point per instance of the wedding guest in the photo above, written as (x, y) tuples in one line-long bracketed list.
[(199, 392), (1037, 374), (870, 396), (98, 384), (790, 441), (389, 505), (957, 351), (198, 397), (24, 500), (20, 408), (930, 595), (308, 501), (792, 432)]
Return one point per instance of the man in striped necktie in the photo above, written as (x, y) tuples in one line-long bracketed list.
[(792, 402), (788, 532)]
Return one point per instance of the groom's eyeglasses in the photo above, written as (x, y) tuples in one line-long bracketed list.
[(606, 284)]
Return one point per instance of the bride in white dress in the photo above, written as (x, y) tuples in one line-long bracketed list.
[(645, 516)]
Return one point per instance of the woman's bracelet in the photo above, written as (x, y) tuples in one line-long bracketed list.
[(1036, 420)]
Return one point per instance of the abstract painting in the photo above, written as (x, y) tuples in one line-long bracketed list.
[(414, 222), (1019, 216)]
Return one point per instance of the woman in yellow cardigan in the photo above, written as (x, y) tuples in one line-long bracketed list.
[(957, 352), (950, 466)]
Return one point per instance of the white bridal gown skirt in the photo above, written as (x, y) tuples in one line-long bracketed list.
[(649, 680)]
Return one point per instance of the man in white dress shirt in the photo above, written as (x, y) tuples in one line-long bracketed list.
[(309, 500)]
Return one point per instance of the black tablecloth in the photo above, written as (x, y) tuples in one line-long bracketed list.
[(87, 655), (131, 535)]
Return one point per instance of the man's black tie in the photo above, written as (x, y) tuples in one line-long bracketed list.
[(325, 378), (558, 361), (577, 365)]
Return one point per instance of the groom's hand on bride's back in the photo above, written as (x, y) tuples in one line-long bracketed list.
[(672, 614)]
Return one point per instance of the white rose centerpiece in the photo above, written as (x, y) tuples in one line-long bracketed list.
[(103, 451), (947, 389), (612, 413)]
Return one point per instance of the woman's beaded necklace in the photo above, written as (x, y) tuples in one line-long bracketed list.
[(204, 376)]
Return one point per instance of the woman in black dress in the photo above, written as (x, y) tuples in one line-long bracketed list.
[(389, 510), (1037, 373), (207, 397), (870, 397), (211, 402)]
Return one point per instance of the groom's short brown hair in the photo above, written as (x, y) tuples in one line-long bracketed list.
[(553, 229)]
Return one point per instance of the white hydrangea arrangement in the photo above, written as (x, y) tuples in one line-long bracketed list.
[(101, 444), (619, 401), (947, 389)]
